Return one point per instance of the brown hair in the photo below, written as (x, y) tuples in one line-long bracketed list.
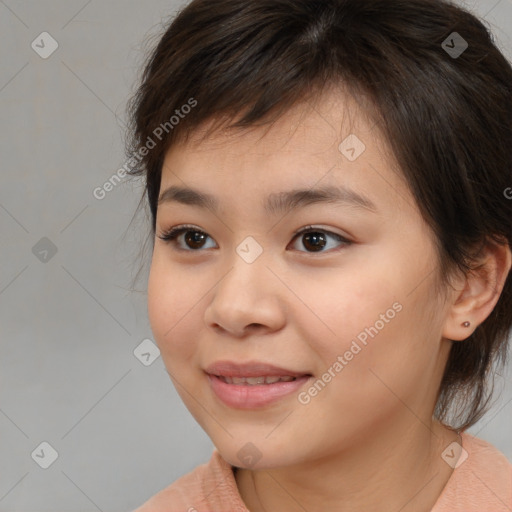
[(446, 117)]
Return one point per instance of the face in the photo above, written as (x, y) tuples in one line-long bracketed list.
[(337, 293)]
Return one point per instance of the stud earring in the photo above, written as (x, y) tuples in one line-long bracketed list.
[(466, 324)]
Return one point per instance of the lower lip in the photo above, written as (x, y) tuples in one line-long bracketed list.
[(243, 396)]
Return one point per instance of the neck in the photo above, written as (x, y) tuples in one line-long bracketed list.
[(400, 469)]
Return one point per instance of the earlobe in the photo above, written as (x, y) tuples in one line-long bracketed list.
[(482, 288)]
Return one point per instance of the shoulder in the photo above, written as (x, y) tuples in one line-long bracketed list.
[(210, 486), (481, 481)]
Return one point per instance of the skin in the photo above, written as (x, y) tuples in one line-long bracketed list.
[(367, 441)]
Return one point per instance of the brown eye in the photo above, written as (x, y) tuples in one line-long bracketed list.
[(189, 238), (316, 239), (193, 238)]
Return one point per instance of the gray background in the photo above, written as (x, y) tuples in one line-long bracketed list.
[(69, 321)]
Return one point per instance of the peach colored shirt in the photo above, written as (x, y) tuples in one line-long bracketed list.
[(483, 483)]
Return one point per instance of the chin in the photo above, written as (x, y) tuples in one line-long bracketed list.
[(262, 454)]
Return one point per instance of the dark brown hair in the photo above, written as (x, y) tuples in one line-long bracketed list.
[(446, 117)]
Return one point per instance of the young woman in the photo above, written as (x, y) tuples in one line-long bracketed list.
[(330, 184)]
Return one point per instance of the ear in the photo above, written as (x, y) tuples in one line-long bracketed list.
[(476, 294)]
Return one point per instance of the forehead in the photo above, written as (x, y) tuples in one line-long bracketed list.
[(326, 117), (329, 141)]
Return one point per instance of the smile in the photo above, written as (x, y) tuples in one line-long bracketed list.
[(253, 381)]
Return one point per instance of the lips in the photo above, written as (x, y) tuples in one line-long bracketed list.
[(232, 372), (255, 381), (253, 384)]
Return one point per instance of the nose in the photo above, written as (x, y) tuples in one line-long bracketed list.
[(247, 299)]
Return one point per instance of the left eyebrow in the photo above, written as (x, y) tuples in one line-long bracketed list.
[(276, 203)]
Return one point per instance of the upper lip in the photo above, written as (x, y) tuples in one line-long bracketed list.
[(250, 369)]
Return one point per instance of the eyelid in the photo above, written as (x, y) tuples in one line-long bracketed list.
[(170, 236), (319, 228), (344, 241)]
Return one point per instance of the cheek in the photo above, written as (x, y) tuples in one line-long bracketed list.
[(386, 340), (172, 303), (373, 318), (346, 306)]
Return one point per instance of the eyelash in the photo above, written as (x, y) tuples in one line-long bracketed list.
[(172, 234)]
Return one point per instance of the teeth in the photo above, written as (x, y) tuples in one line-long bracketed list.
[(254, 381)]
